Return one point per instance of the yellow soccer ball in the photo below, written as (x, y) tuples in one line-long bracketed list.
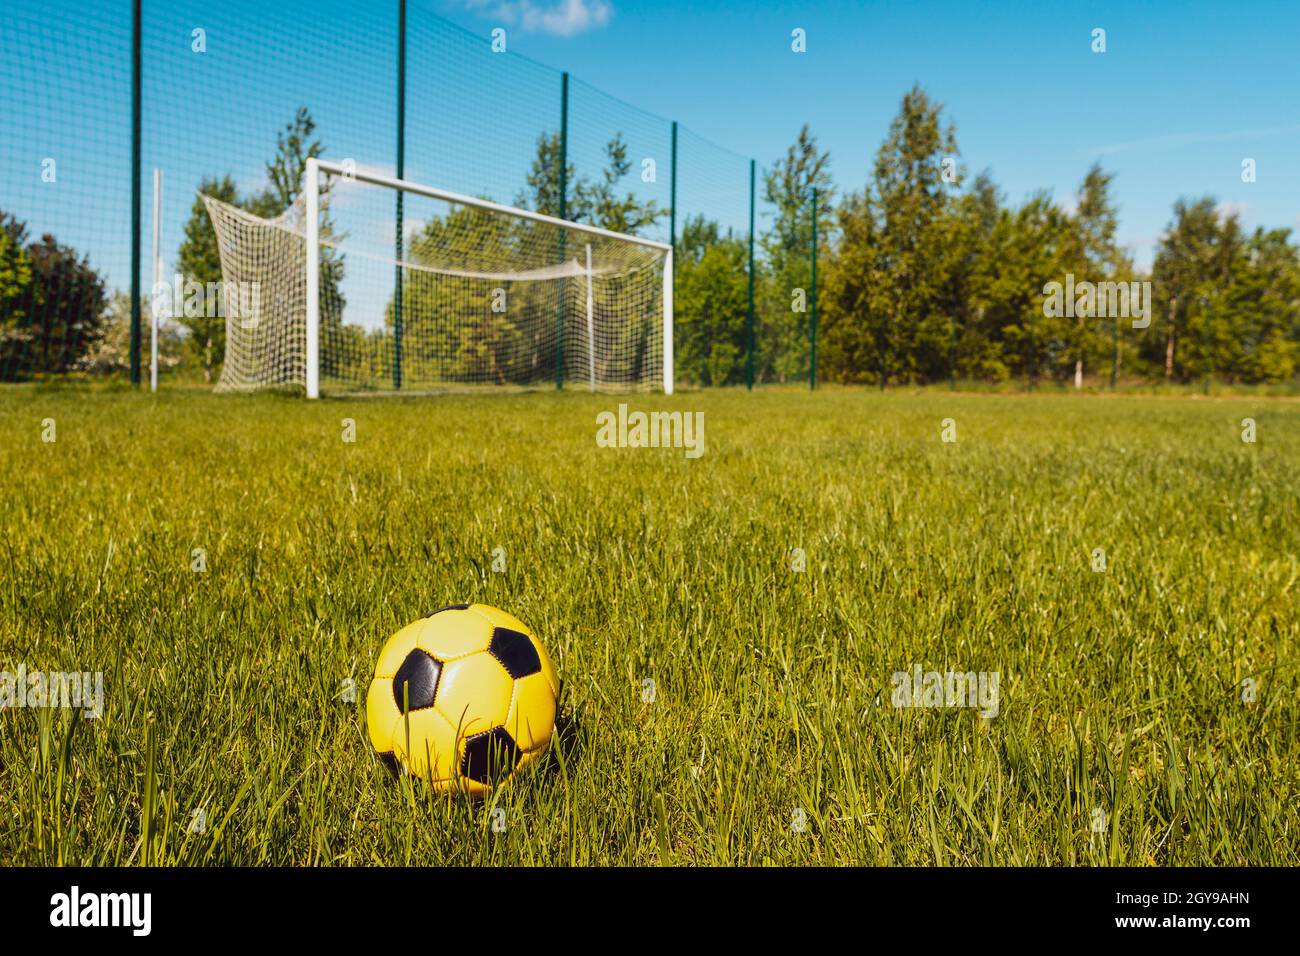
[(463, 698)]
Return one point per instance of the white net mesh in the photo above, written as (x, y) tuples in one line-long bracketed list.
[(478, 297)]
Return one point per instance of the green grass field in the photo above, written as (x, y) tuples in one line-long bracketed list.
[(1122, 735)]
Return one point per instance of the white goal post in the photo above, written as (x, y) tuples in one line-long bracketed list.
[(312, 200), (368, 283)]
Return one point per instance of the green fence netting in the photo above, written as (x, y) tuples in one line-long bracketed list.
[(225, 89)]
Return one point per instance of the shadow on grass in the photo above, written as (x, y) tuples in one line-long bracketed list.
[(566, 742)]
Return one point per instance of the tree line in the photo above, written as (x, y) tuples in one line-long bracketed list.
[(928, 274), (925, 274)]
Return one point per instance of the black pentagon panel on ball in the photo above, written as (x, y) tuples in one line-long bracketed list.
[(489, 756), (515, 652), (449, 607), (419, 675)]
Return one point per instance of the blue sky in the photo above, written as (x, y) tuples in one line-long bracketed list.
[(1184, 92)]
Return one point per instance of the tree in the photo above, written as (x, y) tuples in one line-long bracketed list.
[(17, 293), (897, 289), (1266, 303), (543, 193), (909, 195), (1194, 256), (851, 349), (52, 303), (200, 261), (293, 147), (71, 299), (600, 203), (1099, 258), (111, 354), (1030, 247), (710, 305), (966, 232), (787, 249)]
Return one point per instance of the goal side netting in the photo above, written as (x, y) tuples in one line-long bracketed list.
[(475, 295)]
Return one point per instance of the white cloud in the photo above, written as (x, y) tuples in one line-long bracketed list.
[(1227, 210), (1195, 139), (1142, 249), (563, 18)]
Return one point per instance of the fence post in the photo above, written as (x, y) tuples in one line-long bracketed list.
[(952, 353), (1114, 359), (749, 361), (1209, 347), (398, 238), (883, 339), (812, 369), (671, 286), (672, 193), (156, 249), (135, 192), (563, 214), (1033, 354)]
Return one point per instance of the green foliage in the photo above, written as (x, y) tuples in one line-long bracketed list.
[(851, 347), (896, 294), (111, 354), (926, 281), (543, 193), (927, 275), (52, 304), (293, 147), (710, 305), (1265, 300), (1095, 221), (68, 299), (595, 202), (1228, 305), (457, 328), (455, 333), (200, 260), (786, 279), (1030, 247), (600, 203), (17, 293)]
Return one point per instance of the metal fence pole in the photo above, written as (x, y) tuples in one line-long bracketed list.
[(749, 362), (1209, 347), (1114, 358), (135, 192), (398, 238), (672, 192), (812, 370), (563, 214), (1033, 354)]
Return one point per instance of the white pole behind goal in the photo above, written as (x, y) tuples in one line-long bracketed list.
[(591, 323), (668, 322), (311, 189), (157, 279)]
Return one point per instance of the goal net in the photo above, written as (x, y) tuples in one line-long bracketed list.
[(475, 294)]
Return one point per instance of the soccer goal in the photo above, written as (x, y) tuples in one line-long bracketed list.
[(473, 295)]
